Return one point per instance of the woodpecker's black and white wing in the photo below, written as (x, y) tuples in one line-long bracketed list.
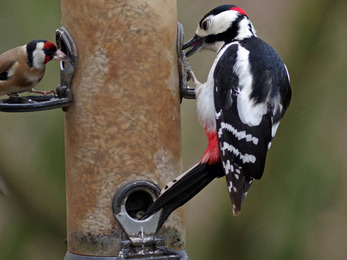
[(251, 93)]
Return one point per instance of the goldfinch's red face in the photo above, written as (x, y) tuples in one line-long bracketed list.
[(52, 53), (49, 50)]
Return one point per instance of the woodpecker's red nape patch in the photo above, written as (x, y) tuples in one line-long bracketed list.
[(212, 151), (238, 9)]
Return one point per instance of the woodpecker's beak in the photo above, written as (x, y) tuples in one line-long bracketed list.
[(59, 55), (196, 44)]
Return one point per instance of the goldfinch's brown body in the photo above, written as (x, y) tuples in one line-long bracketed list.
[(23, 67)]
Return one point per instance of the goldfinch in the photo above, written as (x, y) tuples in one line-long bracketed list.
[(22, 68)]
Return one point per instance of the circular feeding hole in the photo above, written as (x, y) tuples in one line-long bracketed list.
[(137, 203)]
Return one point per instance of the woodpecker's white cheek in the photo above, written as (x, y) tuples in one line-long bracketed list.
[(218, 24), (221, 22), (202, 32)]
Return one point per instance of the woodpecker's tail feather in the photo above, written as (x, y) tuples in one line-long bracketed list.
[(183, 188), (238, 186)]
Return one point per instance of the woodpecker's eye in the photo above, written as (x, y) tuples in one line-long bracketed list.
[(204, 25), (48, 52)]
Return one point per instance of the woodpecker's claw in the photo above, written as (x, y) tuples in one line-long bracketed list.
[(187, 92), (190, 73)]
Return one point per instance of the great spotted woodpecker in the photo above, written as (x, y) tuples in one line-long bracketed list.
[(21, 68), (240, 105)]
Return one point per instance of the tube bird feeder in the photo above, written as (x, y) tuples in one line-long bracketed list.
[(124, 123)]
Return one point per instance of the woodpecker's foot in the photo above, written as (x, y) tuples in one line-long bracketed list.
[(186, 91), (187, 68), (189, 71), (45, 93)]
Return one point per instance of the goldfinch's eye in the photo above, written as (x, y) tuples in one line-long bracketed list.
[(204, 25), (48, 52)]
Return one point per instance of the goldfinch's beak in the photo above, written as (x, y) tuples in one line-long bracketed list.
[(59, 55)]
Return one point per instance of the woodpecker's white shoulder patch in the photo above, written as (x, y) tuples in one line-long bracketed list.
[(249, 112), (242, 69)]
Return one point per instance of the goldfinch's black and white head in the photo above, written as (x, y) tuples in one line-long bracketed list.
[(39, 52)]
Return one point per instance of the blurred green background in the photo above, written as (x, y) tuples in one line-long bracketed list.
[(298, 209)]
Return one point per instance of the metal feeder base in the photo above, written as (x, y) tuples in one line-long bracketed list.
[(181, 256), (33, 103)]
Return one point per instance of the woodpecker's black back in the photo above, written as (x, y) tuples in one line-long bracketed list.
[(243, 147)]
